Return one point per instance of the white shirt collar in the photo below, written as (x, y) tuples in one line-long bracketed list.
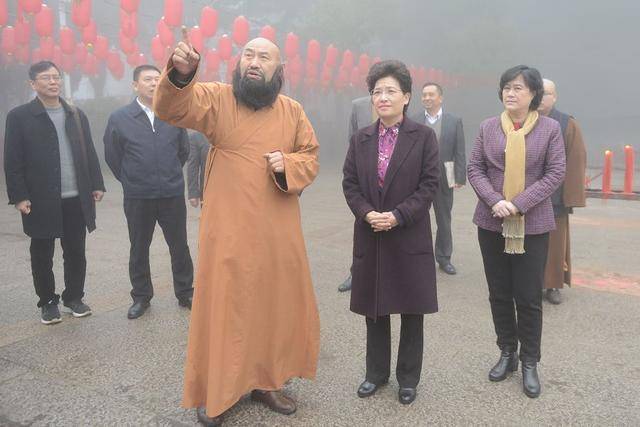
[(433, 119), (148, 111)]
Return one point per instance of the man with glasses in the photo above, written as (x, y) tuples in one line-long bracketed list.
[(53, 178), (147, 155)]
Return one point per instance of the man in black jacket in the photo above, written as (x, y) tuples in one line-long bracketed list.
[(53, 178), (147, 155)]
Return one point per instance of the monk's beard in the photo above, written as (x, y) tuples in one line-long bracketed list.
[(257, 94)]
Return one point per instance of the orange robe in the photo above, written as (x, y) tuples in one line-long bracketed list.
[(254, 321)]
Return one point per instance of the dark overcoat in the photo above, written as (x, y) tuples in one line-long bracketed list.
[(32, 167), (393, 271)]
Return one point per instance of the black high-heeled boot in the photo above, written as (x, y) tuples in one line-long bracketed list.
[(530, 380), (507, 363)]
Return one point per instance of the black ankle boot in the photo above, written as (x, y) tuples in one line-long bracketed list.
[(508, 363), (530, 381)]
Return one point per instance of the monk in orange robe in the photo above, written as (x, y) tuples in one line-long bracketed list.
[(254, 321)]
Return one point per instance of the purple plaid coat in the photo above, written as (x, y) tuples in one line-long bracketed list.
[(545, 168)]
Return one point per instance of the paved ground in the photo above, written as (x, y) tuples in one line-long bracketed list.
[(107, 370)]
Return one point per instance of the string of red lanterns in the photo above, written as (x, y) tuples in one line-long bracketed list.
[(339, 69)]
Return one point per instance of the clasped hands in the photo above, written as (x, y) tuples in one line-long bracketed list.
[(384, 221), (503, 209)]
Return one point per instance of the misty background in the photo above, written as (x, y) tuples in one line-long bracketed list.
[(591, 49)]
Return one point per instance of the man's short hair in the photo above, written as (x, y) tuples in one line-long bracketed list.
[(437, 86), (40, 67), (532, 79), (140, 68)]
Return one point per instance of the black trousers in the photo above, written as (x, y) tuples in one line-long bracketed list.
[(74, 233), (442, 206), (516, 278), (171, 214), (409, 365)]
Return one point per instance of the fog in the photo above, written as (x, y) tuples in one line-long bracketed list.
[(589, 48)]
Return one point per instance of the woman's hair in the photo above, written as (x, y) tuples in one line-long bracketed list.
[(532, 79), (390, 68)]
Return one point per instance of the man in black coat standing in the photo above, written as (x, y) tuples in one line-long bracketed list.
[(53, 178), (453, 170), (147, 155)]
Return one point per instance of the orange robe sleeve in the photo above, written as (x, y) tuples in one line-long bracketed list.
[(301, 165), (574, 182), (194, 106)]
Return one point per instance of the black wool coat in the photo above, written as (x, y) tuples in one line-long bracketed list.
[(393, 271), (32, 167)]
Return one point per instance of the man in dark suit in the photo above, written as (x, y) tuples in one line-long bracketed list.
[(362, 114), (196, 164), (147, 155), (53, 178), (450, 136)]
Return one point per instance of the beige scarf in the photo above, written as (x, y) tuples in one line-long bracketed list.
[(514, 178)]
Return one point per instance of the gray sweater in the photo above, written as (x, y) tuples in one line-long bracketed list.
[(68, 181)]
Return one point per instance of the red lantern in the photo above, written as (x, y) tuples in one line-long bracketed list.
[(325, 76), (30, 6), (44, 21), (295, 66), (90, 66), (129, 6), (68, 64), (268, 32), (22, 53), (142, 59), (291, 45), (67, 40), (363, 64), (240, 33), (46, 47), (113, 60), (165, 33), (224, 47), (213, 60), (126, 44), (129, 24), (313, 51), (157, 49), (4, 13), (331, 56), (80, 53), (101, 47), (23, 31), (196, 39), (347, 59), (81, 12), (431, 75), (311, 71), (422, 75), (90, 33), (208, 21), (173, 12)]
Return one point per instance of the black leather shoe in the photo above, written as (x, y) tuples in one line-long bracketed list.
[(185, 302), (406, 395), (448, 268), (508, 363), (367, 389), (345, 286), (553, 296), (206, 420), (137, 309), (530, 380)]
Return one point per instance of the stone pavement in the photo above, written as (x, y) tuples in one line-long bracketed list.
[(106, 370)]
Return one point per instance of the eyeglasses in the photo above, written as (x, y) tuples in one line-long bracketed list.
[(49, 77), (389, 92)]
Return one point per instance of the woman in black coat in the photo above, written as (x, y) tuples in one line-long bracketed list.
[(390, 179)]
